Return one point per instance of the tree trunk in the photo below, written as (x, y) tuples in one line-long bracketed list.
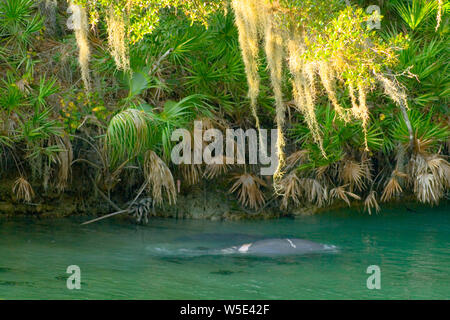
[(408, 125)]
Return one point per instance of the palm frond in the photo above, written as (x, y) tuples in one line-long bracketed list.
[(191, 173), (427, 188), (392, 187), (248, 187), (342, 194), (129, 133), (428, 135), (440, 168), (215, 170), (23, 190), (159, 179), (353, 173), (314, 191), (371, 202), (291, 189), (431, 177), (296, 158), (65, 158), (416, 12)]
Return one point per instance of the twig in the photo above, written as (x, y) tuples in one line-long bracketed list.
[(87, 161), (114, 205), (265, 205), (104, 196), (158, 62), (105, 216), (139, 193)]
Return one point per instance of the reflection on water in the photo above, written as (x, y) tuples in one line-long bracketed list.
[(119, 260)]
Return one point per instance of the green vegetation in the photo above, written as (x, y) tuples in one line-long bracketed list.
[(99, 87)]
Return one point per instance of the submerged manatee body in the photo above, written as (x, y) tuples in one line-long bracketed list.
[(266, 247), (277, 247)]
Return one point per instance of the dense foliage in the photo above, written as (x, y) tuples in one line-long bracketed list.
[(99, 86)]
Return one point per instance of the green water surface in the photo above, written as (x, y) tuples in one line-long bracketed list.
[(119, 260)]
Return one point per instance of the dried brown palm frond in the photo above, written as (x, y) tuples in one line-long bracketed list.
[(367, 166), (418, 165), (342, 194), (371, 202), (440, 168), (422, 145), (427, 188), (393, 188), (400, 174), (431, 177), (65, 158), (23, 86), (215, 170), (159, 177), (290, 189), (314, 191), (248, 187), (191, 173), (23, 190), (321, 171), (296, 158), (352, 173)]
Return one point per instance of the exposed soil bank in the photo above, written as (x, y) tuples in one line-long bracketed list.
[(198, 204), (211, 202), (206, 201)]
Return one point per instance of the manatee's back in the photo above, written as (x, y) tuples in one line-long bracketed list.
[(285, 247), (270, 247)]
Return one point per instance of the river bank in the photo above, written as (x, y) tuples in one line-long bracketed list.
[(202, 203)]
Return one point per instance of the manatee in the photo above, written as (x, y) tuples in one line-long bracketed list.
[(279, 247), (266, 247)]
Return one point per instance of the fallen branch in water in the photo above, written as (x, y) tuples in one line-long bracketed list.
[(104, 217), (114, 205)]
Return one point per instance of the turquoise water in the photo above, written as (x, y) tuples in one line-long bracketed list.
[(119, 260)]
